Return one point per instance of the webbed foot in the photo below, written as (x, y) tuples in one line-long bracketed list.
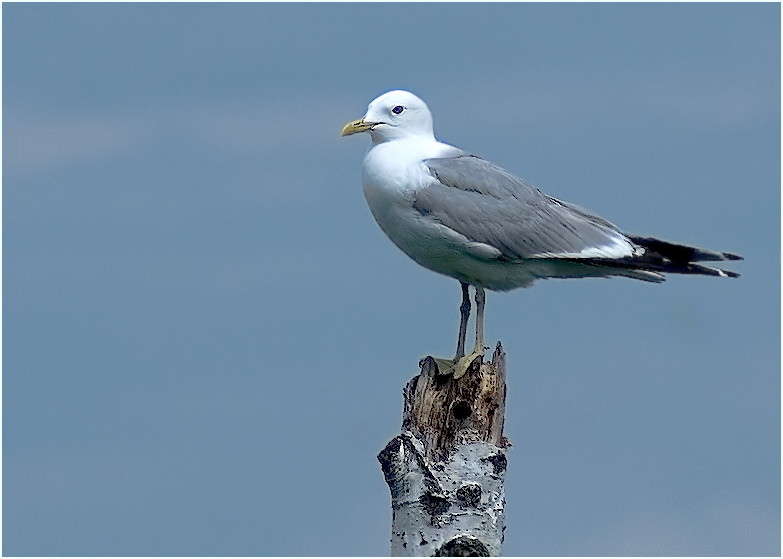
[(458, 366), (463, 364)]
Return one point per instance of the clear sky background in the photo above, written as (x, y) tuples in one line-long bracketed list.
[(206, 335)]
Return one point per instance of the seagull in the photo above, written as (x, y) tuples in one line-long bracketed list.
[(463, 216)]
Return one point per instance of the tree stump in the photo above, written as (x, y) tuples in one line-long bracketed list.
[(446, 470)]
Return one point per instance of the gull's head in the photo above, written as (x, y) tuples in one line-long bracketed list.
[(393, 116)]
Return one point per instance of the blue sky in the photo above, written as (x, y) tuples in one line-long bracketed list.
[(206, 335)]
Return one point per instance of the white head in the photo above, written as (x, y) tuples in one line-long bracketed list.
[(392, 116)]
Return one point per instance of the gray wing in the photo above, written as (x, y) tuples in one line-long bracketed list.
[(487, 204)]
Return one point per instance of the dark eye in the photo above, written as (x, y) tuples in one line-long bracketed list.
[(398, 109)]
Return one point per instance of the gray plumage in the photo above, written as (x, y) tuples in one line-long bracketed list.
[(488, 204)]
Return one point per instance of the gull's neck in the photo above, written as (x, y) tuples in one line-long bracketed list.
[(396, 164)]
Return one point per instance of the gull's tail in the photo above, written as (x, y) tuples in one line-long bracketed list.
[(679, 259), (661, 257), (682, 254)]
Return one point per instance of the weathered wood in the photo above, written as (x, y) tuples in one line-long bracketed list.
[(446, 470), (445, 413)]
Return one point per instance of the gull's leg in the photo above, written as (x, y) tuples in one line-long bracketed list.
[(464, 311), (480, 298), (449, 366), (464, 363)]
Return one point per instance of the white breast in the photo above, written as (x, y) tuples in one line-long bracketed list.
[(392, 173)]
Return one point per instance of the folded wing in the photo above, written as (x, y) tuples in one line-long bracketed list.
[(489, 205)]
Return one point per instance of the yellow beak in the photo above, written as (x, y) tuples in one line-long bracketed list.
[(356, 126)]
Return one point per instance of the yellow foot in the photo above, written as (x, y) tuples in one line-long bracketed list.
[(445, 366), (457, 367), (464, 363)]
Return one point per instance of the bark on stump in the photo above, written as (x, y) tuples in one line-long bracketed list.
[(446, 470)]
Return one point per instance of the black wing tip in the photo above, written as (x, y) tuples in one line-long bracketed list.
[(682, 254), (651, 266), (692, 268), (702, 270)]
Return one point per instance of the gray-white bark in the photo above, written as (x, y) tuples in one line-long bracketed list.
[(446, 470)]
